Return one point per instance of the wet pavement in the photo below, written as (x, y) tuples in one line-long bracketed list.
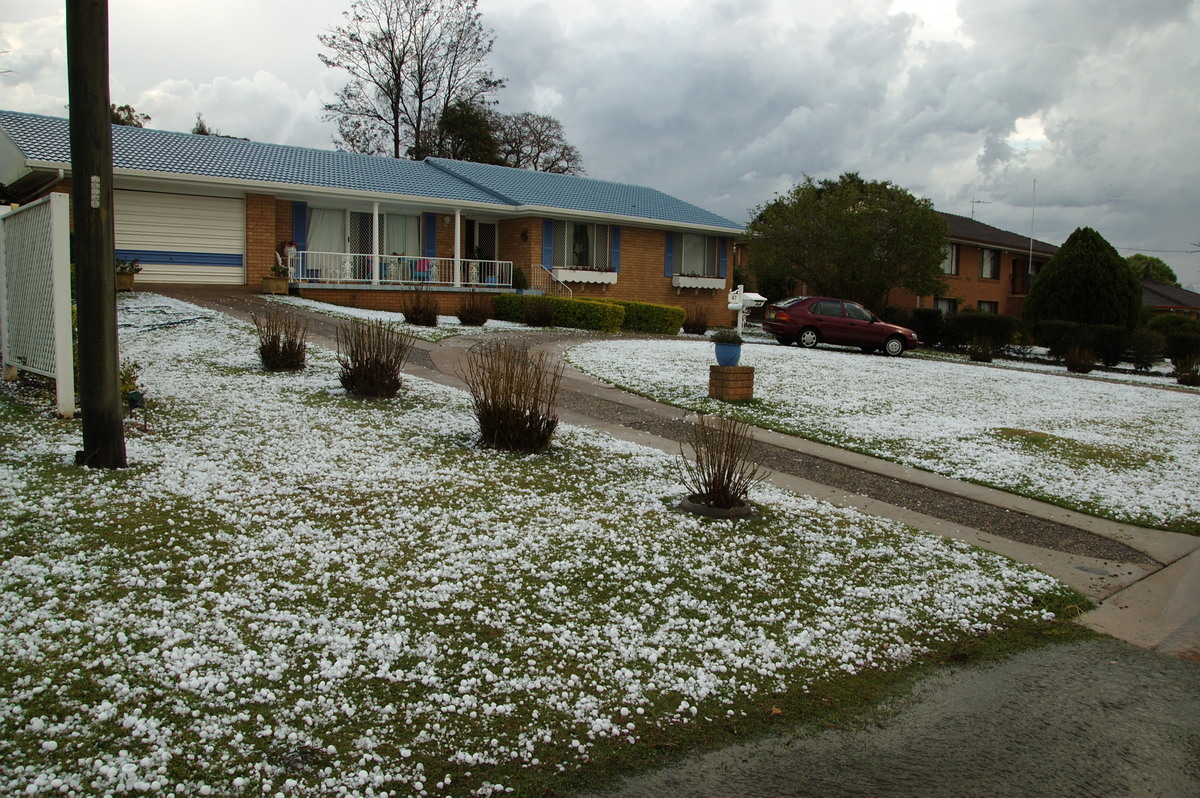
[(1099, 718)]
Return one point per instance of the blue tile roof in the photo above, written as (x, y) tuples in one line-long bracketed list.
[(523, 187), (47, 139)]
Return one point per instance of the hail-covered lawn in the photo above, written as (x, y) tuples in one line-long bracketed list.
[(1124, 451), (291, 592)]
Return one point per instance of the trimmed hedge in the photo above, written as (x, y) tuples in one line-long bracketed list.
[(1059, 336), (973, 328), (1183, 348), (646, 317), (928, 324), (582, 314)]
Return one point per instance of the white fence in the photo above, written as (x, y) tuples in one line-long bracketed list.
[(341, 267), (35, 294)]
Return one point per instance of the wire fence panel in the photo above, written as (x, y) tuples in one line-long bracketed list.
[(35, 294)]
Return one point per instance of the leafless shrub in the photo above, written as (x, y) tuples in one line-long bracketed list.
[(981, 349), (282, 340), (1188, 372), (371, 356), (723, 473), (420, 307), (514, 394), (695, 320), (475, 310), (1080, 359)]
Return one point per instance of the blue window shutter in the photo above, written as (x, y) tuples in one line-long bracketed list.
[(548, 243), (300, 225), (430, 248), (669, 257), (723, 256), (615, 258)]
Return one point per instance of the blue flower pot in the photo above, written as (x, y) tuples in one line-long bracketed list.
[(728, 354)]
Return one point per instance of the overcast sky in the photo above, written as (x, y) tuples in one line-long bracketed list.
[(726, 103)]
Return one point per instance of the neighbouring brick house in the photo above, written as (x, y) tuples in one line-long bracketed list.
[(362, 230), (1162, 298), (986, 269)]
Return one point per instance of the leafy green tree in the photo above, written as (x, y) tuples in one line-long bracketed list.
[(850, 238), (1086, 282), (201, 128), (125, 115), (408, 61), (1148, 267), (463, 132)]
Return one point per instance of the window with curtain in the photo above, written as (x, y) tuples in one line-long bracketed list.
[(950, 263), (578, 245), (401, 235), (326, 230), (989, 264), (696, 255)]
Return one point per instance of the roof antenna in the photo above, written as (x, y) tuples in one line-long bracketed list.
[(975, 202)]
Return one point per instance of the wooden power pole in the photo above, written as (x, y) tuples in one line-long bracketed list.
[(94, 243)]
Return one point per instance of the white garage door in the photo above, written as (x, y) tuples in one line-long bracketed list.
[(182, 239)]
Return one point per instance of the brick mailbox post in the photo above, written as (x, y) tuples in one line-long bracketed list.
[(730, 383)]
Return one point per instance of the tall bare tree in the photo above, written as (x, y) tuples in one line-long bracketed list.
[(408, 60), (535, 141)]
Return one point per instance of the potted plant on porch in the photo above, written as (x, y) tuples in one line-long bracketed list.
[(728, 345), (277, 281), (126, 269)]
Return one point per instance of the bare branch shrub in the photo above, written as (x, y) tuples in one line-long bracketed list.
[(475, 310), (695, 320), (723, 473), (514, 394), (371, 356), (282, 340), (420, 307), (1080, 359)]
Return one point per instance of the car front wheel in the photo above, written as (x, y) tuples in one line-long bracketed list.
[(808, 338), (894, 346)]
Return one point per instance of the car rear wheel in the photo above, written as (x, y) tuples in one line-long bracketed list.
[(894, 346), (808, 338)]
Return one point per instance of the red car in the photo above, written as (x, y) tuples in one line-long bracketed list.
[(812, 320)]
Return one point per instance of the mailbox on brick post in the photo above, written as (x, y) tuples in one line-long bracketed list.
[(734, 383)]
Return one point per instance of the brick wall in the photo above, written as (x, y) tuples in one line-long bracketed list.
[(261, 237)]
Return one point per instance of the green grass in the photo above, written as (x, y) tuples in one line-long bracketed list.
[(282, 587)]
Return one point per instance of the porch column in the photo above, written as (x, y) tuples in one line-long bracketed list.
[(375, 243), (457, 247)]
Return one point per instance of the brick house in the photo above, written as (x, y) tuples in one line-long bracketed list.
[(1162, 298), (986, 269), (362, 230)]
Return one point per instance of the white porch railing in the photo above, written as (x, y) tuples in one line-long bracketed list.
[(543, 278), (341, 267)]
